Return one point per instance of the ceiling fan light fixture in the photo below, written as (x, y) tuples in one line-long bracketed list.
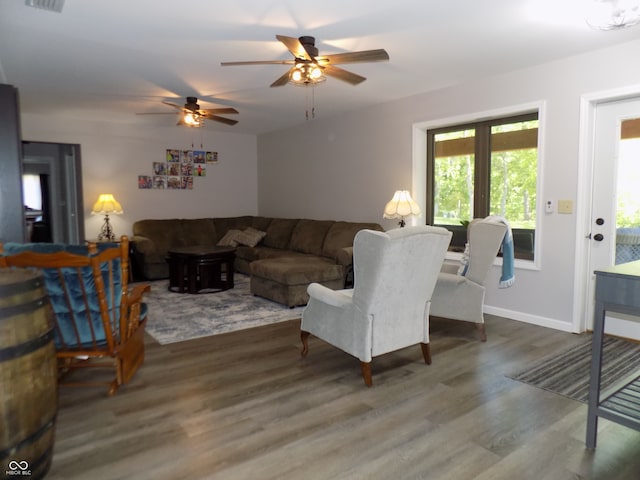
[(306, 73), (192, 119), (613, 14)]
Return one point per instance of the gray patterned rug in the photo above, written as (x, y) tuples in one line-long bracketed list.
[(567, 373), (175, 317)]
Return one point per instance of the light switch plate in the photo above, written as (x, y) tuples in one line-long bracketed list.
[(565, 206)]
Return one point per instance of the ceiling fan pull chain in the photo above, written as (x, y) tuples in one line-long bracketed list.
[(306, 104), (313, 102)]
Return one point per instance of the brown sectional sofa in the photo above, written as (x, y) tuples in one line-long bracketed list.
[(292, 254)]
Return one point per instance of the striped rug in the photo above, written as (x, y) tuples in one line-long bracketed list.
[(567, 373)]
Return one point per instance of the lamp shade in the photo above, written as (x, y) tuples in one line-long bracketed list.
[(105, 205), (401, 205)]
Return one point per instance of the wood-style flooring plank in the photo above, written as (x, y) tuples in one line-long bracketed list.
[(245, 405)]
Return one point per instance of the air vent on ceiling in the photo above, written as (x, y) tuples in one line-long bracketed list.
[(50, 5)]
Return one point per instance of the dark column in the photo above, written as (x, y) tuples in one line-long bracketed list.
[(12, 220)]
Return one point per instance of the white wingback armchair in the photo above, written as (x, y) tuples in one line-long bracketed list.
[(395, 273), (461, 297)]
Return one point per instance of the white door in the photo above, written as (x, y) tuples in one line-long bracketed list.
[(615, 210)]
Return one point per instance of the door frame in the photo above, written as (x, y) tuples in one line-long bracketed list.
[(588, 107), (66, 197)]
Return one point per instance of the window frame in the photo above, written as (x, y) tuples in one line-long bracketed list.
[(482, 174)]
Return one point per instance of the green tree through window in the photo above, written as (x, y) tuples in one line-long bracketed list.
[(485, 168)]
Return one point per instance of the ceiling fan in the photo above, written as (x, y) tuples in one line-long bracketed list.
[(194, 116), (310, 68)]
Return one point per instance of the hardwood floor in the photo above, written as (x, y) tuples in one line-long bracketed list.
[(244, 405)]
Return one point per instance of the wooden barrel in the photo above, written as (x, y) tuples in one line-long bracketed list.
[(28, 375)]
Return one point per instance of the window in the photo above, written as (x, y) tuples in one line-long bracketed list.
[(484, 168)]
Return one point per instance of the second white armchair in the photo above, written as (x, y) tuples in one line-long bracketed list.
[(460, 296)]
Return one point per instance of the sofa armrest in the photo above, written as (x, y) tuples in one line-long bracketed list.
[(345, 256), (144, 245)]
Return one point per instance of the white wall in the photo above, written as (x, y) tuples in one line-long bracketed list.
[(348, 167), (113, 155)]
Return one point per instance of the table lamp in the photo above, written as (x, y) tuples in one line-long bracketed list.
[(400, 206), (105, 205)]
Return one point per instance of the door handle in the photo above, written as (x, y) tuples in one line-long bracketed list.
[(598, 237)]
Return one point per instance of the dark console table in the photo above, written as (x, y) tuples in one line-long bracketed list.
[(200, 269), (617, 290)]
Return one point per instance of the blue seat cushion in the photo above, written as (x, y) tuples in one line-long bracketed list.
[(67, 307)]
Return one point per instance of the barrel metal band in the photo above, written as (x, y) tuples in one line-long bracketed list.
[(15, 351), (35, 436), (22, 286), (22, 308)]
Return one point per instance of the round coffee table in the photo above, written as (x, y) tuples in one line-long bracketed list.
[(200, 269)]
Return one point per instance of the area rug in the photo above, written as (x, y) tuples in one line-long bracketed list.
[(567, 373), (175, 317)]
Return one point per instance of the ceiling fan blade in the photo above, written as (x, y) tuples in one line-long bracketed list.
[(213, 111), (179, 107), (355, 57), (216, 118), (156, 113), (344, 75), (260, 62), (282, 80), (295, 47)]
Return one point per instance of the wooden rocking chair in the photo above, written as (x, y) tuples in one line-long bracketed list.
[(99, 321)]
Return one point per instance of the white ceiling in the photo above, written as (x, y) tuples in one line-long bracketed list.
[(112, 59)]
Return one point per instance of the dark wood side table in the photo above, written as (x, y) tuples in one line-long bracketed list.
[(617, 290), (200, 269)]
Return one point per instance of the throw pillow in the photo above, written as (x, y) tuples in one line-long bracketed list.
[(229, 239), (250, 237)]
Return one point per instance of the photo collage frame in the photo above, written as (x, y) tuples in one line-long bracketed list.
[(178, 170)]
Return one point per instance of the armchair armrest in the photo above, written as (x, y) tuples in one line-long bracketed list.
[(450, 268), (135, 315), (335, 298), (136, 292)]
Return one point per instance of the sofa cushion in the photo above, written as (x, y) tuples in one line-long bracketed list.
[(261, 223), (223, 225), (341, 235), (308, 236), (198, 231), (279, 233), (297, 270)]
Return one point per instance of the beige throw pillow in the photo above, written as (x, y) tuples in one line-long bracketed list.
[(250, 237), (229, 239)]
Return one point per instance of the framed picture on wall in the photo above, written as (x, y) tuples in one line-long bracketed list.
[(199, 171), (187, 170), (186, 156), (174, 169), (212, 157), (173, 155), (159, 181), (198, 156), (145, 181), (159, 168), (187, 183), (174, 183)]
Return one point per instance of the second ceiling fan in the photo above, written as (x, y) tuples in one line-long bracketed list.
[(192, 115), (310, 68)]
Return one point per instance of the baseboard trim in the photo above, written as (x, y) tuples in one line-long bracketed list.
[(532, 319)]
